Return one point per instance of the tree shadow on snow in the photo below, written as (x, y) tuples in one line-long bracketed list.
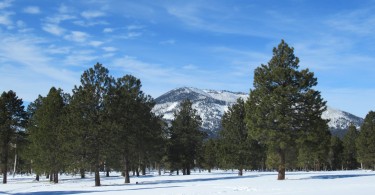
[(199, 179), (85, 192), (338, 176)]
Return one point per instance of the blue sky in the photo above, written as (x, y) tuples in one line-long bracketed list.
[(212, 44)]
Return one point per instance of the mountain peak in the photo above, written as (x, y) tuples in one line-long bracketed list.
[(211, 105)]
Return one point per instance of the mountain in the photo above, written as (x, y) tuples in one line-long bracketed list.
[(212, 104)]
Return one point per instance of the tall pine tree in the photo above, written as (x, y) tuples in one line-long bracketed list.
[(46, 134), (282, 104), (130, 111), (88, 119), (239, 150), (12, 120), (366, 142), (350, 150), (186, 138)]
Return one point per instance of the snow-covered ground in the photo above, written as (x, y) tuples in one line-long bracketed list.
[(218, 182)]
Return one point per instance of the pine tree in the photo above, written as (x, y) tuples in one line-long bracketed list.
[(313, 146), (282, 104), (130, 113), (335, 153), (88, 119), (12, 120), (350, 150), (46, 134), (366, 142), (238, 148), (210, 154), (186, 139)]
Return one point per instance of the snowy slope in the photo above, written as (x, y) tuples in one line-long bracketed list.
[(212, 104)]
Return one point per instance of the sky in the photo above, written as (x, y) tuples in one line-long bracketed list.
[(211, 44)]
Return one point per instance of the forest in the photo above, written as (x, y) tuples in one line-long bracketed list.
[(106, 124)]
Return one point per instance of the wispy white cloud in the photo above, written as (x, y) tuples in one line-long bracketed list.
[(32, 10), (107, 30), (96, 43), (63, 9), (92, 14), (190, 67), (109, 49), (5, 4), (5, 19), (168, 42), (77, 36), (134, 27), (54, 29), (90, 23), (81, 58), (25, 55), (130, 35), (361, 21), (56, 19)]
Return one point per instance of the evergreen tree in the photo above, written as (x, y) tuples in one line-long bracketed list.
[(186, 139), (46, 134), (12, 120), (283, 104), (350, 150), (335, 153), (130, 113), (238, 148), (88, 119), (366, 142), (210, 154), (313, 146)]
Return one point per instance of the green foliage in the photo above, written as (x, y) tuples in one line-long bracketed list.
[(186, 139), (335, 153), (210, 154), (12, 120), (313, 146), (47, 133), (238, 149), (135, 130), (366, 142), (283, 104), (350, 150), (88, 117)]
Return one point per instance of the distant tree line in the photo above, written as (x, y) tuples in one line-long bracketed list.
[(107, 124)]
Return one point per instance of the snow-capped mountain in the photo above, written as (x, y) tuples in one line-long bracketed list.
[(212, 104)]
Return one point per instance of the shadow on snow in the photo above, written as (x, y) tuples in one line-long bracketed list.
[(338, 176)]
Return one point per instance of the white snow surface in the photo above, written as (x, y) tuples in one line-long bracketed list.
[(217, 182)]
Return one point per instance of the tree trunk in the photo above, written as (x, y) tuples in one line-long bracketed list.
[(82, 172), (188, 170), (126, 170), (178, 172), (240, 172), (97, 176), (209, 170), (107, 173), (143, 169), (56, 177), (51, 176), (37, 177), (159, 169), (5, 162), (281, 175)]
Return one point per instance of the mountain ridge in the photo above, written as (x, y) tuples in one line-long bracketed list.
[(211, 105)]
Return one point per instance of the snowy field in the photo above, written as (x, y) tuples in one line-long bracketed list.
[(218, 182)]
